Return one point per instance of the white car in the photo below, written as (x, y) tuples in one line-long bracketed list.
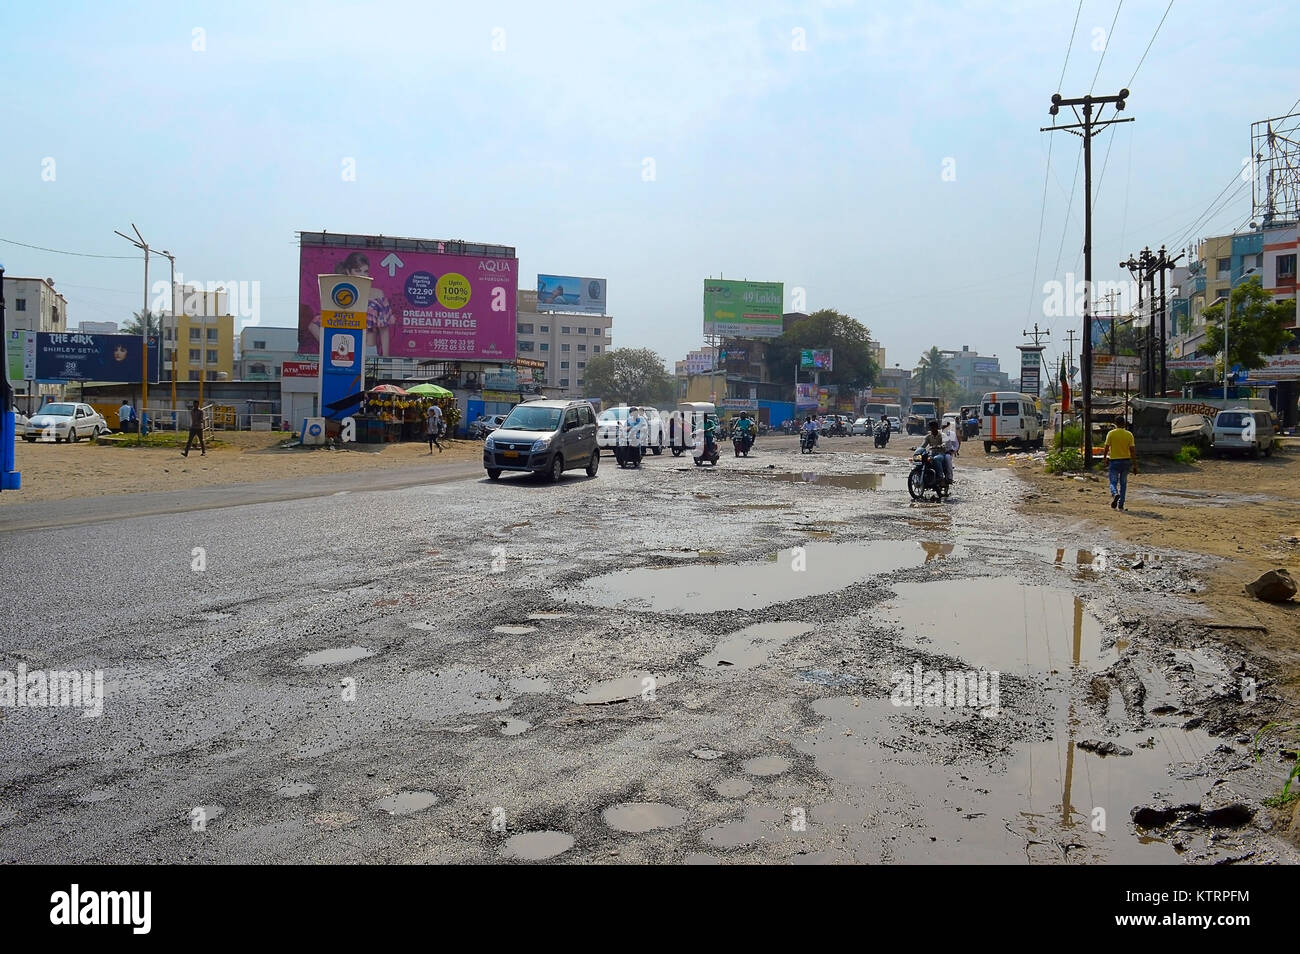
[(860, 426), (65, 421), (484, 425), (21, 423), (896, 425)]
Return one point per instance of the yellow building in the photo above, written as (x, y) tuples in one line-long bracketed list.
[(203, 347)]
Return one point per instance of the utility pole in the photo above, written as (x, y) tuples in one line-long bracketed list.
[(1086, 128), (1164, 264), (1142, 269), (1112, 314), (141, 244), (1070, 337)]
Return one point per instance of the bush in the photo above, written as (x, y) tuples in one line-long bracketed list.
[(1066, 459), (1190, 454), (1071, 436)]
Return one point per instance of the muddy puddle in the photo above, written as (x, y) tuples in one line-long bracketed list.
[(752, 645), (640, 817), (864, 481), (996, 623), (787, 575), (1042, 801), (639, 686), (536, 845), (406, 803)]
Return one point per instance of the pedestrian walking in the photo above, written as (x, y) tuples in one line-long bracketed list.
[(196, 431), (1121, 450), (433, 427)]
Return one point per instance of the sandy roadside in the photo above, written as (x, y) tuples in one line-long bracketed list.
[(1245, 513), (85, 469)]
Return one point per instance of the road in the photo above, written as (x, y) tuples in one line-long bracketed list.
[(671, 664)]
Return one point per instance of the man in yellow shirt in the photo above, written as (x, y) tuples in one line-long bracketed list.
[(1121, 451)]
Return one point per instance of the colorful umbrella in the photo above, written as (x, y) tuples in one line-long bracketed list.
[(387, 389), (429, 390)]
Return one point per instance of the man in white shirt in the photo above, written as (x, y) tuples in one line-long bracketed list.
[(433, 426), (125, 415)]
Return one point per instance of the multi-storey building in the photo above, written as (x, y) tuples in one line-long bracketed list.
[(32, 304), (198, 336), (566, 342), (263, 351), (974, 372)]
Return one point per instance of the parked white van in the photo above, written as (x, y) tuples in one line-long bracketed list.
[(1244, 429), (1009, 418)]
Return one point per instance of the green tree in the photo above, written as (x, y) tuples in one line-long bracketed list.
[(132, 325), (1258, 325), (631, 376), (933, 376), (854, 368)]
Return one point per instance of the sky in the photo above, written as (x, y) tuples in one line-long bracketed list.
[(881, 159)]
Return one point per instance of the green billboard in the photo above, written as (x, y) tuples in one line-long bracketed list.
[(736, 309)]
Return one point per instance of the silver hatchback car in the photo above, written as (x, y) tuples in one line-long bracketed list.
[(544, 437)]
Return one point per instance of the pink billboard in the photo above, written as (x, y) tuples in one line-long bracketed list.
[(422, 304)]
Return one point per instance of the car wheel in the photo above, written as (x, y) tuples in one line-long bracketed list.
[(73, 436), (988, 447), (677, 452), (1268, 451), (29, 439), (1254, 452), (593, 465), (557, 468), (493, 474), (657, 450)]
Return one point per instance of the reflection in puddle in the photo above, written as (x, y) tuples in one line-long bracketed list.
[(788, 575), (845, 481), (999, 624), (1037, 805)]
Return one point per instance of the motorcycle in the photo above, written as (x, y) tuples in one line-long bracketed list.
[(927, 476), (807, 441), (628, 455), (741, 442), (882, 434)]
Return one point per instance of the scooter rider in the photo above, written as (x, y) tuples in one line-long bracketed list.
[(935, 442), (810, 429), (951, 447), (745, 427)]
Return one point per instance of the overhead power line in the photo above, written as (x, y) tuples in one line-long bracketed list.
[(59, 251)]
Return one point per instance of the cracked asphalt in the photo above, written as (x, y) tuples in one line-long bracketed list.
[(666, 665)]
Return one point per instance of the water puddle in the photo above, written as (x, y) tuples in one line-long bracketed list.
[(536, 845), (841, 481), (514, 726), (639, 817), (787, 575), (996, 623), (1036, 804), (765, 766), (405, 803), (752, 645), (760, 824), (733, 787), (514, 630), (530, 685), (642, 685), (98, 795), (334, 657)]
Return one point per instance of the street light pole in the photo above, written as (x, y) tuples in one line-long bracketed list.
[(141, 244)]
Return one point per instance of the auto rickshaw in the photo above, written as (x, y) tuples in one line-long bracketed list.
[(686, 431)]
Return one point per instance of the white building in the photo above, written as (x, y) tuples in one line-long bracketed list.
[(565, 342), (262, 351), (98, 327), (32, 304)]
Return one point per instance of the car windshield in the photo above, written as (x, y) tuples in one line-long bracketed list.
[(614, 414), (524, 418), (1232, 419), (58, 410)]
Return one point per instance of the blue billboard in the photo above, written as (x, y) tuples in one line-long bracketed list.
[(82, 357)]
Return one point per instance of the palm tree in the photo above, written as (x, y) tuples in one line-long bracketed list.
[(132, 325), (933, 374)]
